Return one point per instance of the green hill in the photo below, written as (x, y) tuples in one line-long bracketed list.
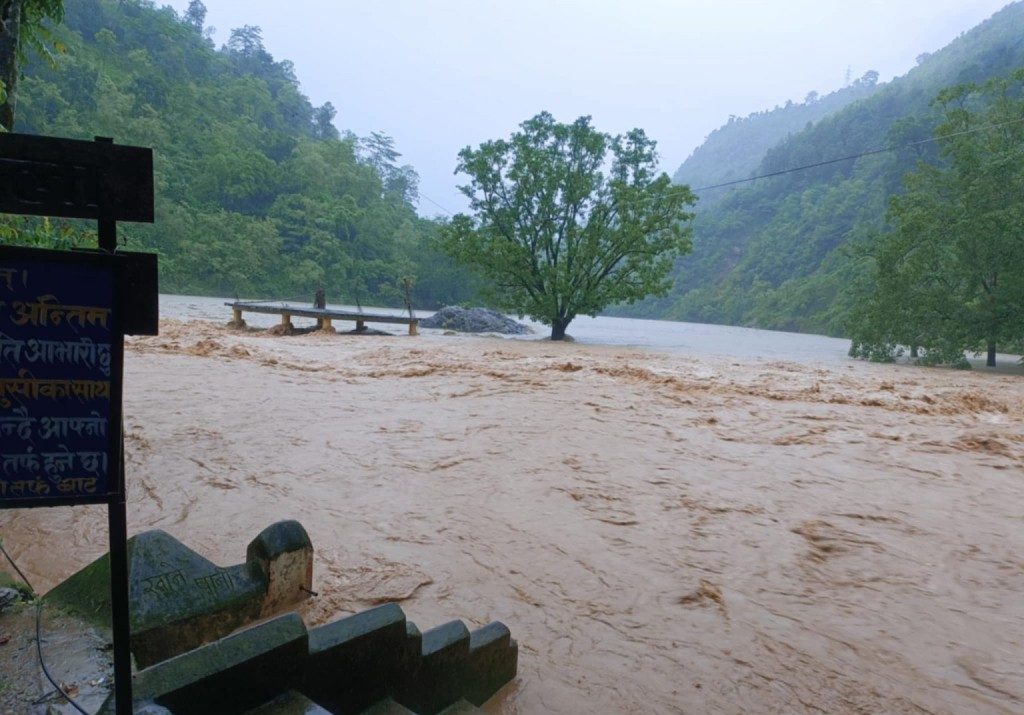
[(257, 193), (778, 253), (735, 150)]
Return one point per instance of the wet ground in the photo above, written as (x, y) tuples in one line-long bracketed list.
[(78, 658)]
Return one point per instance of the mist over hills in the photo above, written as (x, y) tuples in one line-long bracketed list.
[(735, 150), (776, 253)]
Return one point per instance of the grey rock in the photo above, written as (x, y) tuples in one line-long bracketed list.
[(8, 597), (473, 320)]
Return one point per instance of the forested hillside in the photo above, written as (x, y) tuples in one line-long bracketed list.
[(735, 150), (782, 252), (257, 193)]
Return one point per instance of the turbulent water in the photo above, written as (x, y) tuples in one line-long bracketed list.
[(701, 339), (662, 530), (689, 338)]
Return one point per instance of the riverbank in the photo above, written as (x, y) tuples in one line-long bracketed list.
[(661, 532)]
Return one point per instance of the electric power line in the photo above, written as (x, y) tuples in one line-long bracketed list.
[(826, 162), (424, 196), (858, 156)]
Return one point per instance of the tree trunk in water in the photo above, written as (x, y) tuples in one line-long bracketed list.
[(558, 329), (991, 361), (10, 27)]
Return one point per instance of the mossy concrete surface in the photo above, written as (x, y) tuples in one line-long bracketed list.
[(291, 703), (180, 600), (356, 661), (233, 675), (372, 662)]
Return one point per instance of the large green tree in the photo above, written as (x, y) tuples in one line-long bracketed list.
[(21, 26), (568, 220), (949, 275)]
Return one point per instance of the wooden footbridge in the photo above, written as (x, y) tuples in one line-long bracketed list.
[(323, 316)]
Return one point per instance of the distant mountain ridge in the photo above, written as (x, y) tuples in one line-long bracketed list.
[(734, 150), (780, 252)]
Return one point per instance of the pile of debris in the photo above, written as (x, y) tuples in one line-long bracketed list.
[(474, 320)]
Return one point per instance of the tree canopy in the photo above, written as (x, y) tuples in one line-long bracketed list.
[(21, 26), (568, 220), (258, 193), (949, 276)]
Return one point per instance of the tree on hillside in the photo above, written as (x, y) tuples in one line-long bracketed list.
[(949, 276), (568, 220), (379, 151), (21, 26), (195, 15), (323, 122)]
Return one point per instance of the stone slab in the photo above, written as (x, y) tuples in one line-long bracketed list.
[(354, 661), (387, 707), (291, 703), (232, 675), (461, 708), (438, 682), (492, 662)]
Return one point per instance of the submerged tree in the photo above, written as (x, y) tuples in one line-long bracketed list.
[(569, 220), (949, 275)]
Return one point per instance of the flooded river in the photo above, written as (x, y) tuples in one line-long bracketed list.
[(680, 519)]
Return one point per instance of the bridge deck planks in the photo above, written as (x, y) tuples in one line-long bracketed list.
[(322, 314)]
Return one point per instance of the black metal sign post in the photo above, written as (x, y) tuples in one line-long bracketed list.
[(63, 317)]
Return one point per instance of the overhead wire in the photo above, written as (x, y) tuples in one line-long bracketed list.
[(817, 164), (424, 196), (870, 152)]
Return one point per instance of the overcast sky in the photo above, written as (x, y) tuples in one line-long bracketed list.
[(440, 74)]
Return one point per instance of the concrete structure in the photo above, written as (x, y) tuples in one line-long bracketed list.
[(179, 600), (372, 662)]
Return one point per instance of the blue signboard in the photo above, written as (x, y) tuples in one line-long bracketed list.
[(60, 378)]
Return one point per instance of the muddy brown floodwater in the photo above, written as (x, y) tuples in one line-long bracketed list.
[(661, 533)]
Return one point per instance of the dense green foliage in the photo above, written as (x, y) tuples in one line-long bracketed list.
[(949, 276), (779, 253), (557, 235), (257, 193), (735, 150), (23, 24)]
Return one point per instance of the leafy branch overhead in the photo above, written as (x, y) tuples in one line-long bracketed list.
[(569, 220), (22, 25)]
